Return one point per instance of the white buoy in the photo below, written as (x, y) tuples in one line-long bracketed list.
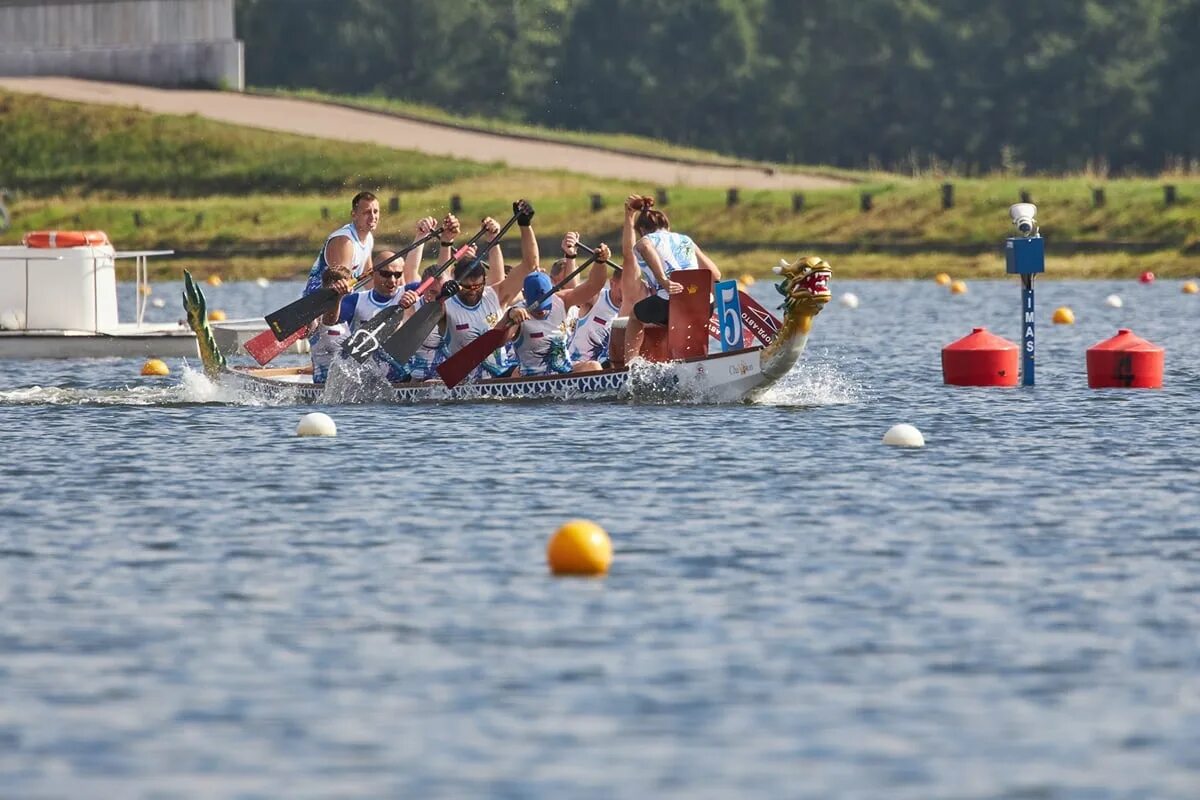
[(1114, 301), (262, 283), (849, 300), (903, 436), (158, 302), (12, 319), (316, 424)]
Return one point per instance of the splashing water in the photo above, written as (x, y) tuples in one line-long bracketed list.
[(193, 388), (813, 384)]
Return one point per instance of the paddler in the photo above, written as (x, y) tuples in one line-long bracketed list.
[(648, 241), (541, 331), (481, 298)]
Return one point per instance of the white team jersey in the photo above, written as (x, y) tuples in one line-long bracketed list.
[(594, 329), (324, 344), (431, 353), (358, 261), (676, 252), (367, 305), (464, 324), (541, 344)]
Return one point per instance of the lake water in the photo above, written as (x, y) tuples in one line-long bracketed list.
[(198, 603)]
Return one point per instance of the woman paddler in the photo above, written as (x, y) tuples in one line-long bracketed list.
[(647, 238)]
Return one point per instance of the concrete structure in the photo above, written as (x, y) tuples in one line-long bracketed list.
[(154, 42)]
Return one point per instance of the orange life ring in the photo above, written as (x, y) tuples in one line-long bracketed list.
[(65, 239)]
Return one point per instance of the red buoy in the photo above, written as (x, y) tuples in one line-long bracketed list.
[(1146, 277), (1125, 361), (980, 359)]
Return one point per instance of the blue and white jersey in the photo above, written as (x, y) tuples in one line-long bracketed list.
[(325, 343), (362, 252), (358, 308), (432, 352), (464, 324), (594, 330), (676, 252), (541, 344)]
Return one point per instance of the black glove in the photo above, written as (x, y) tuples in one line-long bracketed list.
[(524, 211), (449, 289)]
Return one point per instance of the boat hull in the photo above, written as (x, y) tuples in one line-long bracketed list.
[(720, 377)]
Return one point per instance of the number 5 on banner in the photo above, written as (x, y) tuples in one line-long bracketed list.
[(729, 313)]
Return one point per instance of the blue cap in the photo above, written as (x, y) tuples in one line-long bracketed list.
[(537, 285)]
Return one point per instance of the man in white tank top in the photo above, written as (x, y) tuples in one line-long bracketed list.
[(540, 330), (350, 245), (481, 298)]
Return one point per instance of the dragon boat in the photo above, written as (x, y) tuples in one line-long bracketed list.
[(675, 363)]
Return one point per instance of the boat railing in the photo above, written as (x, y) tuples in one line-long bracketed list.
[(142, 278)]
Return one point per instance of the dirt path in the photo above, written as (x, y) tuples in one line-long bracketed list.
[(334, 122)]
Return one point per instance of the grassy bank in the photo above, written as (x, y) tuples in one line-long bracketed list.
[(232, 197)]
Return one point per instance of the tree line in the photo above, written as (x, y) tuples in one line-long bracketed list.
[(966, 86)]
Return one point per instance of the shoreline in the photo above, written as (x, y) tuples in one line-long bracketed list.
[(758, 264)]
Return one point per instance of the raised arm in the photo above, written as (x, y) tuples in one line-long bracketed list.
[(495, 272), (451, 227), (587, 291), (412, 261), (507, 288)]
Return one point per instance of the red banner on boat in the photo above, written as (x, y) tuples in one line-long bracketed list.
[(762, 323)]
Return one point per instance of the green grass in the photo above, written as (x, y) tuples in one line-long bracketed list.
[(209, 187), (50, 146)]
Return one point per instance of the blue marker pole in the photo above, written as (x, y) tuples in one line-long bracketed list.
[(1026, 256)]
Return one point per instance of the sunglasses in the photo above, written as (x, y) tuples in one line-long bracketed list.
[(383, 273), (470, 287)]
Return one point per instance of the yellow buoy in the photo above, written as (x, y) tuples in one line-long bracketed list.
[(155, 366), (958, 287), (942, 279), (1190, 287), (216, 315), (579, 547), (747, 280), (1063, 316), (213, 280), (144, 290)]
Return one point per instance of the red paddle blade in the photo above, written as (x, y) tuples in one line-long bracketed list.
[(265, 347), (458, 366)]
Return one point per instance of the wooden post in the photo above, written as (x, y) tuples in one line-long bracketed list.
[(597, 203), (137, 219), (324, 213), (1169, 196), (661, 198), (797, 202), (1098, 198), (731, 198), (865, 202), (1025, 197), (947, 196), (200, 219), (393, 204), (455, 204)]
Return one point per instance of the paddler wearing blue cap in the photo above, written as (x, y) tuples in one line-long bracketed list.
[(481, 298), (541, 332)]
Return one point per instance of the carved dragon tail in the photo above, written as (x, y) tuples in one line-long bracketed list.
[(197, 315)]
